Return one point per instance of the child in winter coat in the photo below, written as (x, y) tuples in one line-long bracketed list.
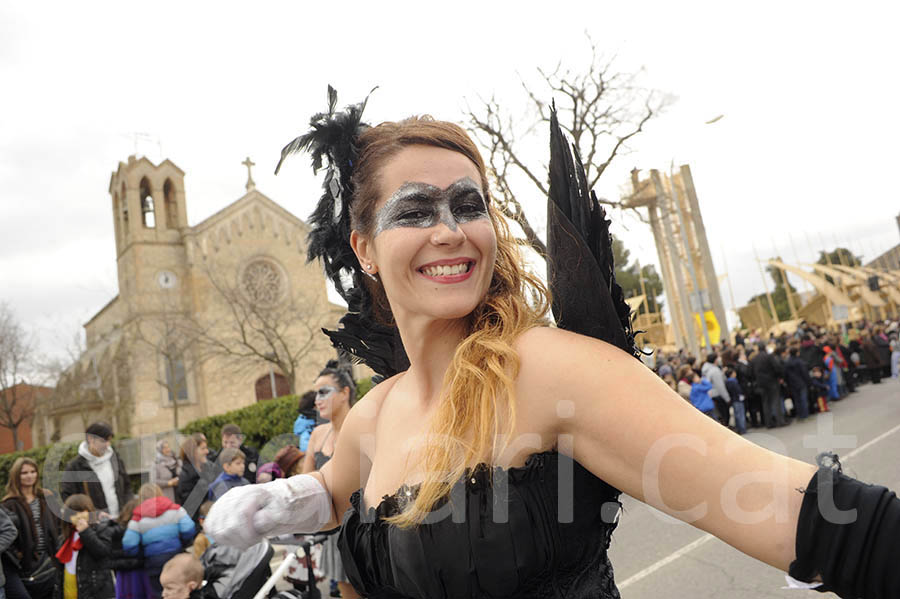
[(131, 580), (232, 460), (306, 419), (84, 552), (700, 396), (160, 528)]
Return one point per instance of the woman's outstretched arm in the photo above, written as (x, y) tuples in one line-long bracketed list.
[(624, 424), (303, 503)]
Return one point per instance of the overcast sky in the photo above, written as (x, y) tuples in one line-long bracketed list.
[(807, 145)]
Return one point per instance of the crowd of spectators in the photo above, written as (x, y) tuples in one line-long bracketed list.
[(98, 540), (769, 382)]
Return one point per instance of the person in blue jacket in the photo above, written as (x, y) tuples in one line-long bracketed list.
[(232, 461), (306, 419), (700, 398)]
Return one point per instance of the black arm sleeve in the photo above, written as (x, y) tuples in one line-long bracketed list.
[(853, 554)]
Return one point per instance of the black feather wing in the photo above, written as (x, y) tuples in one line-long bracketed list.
[(580, 268), (378, 346)]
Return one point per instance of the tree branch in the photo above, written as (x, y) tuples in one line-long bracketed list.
[(595, 107)]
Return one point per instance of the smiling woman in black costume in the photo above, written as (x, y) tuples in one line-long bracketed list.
[(484, 466)]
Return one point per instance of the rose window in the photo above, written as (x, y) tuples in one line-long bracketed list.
[(263, 283)]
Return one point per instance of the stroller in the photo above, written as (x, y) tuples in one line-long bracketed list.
[(303, 589), (236, 574)]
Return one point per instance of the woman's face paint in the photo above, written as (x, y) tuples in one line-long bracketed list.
[(422, 205)]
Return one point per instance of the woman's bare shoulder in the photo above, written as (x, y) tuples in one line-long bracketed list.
[(553, 347), (364, 413), (565, 365), (379, 392)]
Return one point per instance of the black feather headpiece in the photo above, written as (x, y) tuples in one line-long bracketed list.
[(580, 268), (334, 136)]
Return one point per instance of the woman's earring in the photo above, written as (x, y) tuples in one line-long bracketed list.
[(371, 276)]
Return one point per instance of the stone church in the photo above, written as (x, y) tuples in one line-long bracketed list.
[(209, 318)]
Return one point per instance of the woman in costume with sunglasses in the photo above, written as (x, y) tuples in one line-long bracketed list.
[(335, 393), (490, 461)]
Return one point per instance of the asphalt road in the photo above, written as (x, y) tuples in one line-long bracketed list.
[(656, 556)]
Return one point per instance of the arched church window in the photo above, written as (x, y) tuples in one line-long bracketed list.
[(263, 282), (171, 205), (176, 379), (148, 214), (272, 385)]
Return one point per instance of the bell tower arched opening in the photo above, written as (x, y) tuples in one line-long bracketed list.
[(148, 212), (171, 205)]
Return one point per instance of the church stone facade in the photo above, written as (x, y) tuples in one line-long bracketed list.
[(168, 346)]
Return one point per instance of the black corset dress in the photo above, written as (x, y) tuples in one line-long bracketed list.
[(513, 538)]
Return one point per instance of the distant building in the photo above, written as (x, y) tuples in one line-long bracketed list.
[(178, 281), (17, 401)]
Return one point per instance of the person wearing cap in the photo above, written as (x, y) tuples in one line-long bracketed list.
[(98, 472)]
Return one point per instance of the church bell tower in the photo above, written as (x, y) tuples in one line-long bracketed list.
[(150, 219)]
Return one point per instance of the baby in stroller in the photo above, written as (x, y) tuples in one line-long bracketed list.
[(182, 578), (228, 573)]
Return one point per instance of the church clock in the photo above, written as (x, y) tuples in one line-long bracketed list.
[(166, 279)]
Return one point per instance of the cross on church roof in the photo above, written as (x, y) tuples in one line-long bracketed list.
[(250, 184)]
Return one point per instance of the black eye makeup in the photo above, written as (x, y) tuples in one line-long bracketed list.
[(422, 205), (324, 392)]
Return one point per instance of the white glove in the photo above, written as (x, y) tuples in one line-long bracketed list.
[(245, 515)]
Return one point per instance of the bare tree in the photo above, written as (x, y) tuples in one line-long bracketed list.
[(95, 382), (16, 353), (267, 322), (171, 334), (600, 108)]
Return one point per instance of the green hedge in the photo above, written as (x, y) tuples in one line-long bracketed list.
[(259, 422)]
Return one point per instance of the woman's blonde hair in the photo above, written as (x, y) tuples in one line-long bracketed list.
[(14, 482), (478, 391)]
